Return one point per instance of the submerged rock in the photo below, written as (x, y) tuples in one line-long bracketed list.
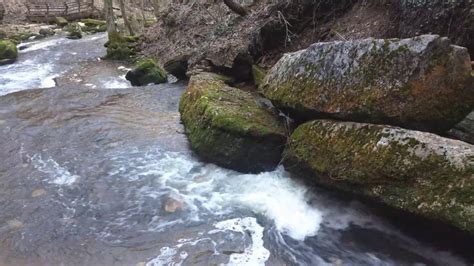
[(8, 52), (146, 72), (173, 204), (421, 83), (231, 127), (418, 172)]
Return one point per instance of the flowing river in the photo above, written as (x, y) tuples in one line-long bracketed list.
[(93, 172)]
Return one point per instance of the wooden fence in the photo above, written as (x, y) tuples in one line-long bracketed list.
[(70, 10)]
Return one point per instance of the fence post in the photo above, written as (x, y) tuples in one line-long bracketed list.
[(78, 6), (47, 10), (65, 9)]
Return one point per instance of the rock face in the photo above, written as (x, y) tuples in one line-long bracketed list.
[(414, 171), (465, 129), (146, 72), (8, 52), (231, 127), (421, 83)]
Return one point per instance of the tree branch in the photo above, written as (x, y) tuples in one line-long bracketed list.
[(236, 7)]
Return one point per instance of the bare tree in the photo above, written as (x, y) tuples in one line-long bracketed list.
[(156, 8), (110, 17), (125, 18), (236, 7)]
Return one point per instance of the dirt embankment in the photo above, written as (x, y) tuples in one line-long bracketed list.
[(205, 34)]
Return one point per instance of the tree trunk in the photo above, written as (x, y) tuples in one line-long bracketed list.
[(142, 7), (125, 18), (156, 8), (236, 7), (110, 18)]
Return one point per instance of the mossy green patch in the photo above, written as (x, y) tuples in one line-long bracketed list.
[(258, 74), (22, 36), (8, 51), (121, 47), (94, 25)]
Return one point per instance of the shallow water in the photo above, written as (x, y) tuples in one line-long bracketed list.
[(105, 177), (60, 61)]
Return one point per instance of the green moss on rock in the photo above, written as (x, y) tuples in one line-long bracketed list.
[(8, 52), (414, 171), (74, 31), (94, 25), (146, 72), (60, 21), (22, 36), (231, 127), (121, 47)]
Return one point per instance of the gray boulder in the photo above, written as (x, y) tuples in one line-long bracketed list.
[(420, 83)]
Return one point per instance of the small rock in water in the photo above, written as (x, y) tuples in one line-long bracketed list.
[(200, 179), (38, 193), (172, 205), (15, 224)]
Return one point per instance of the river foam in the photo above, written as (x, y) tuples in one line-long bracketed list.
[(56, 173), (208, 189)]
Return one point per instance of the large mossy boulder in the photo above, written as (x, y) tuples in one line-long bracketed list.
[(146, 72), (419, 83), (60, 21), (8, 52), (74, 31), (94, 25), (231, 127), (418, 172)]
